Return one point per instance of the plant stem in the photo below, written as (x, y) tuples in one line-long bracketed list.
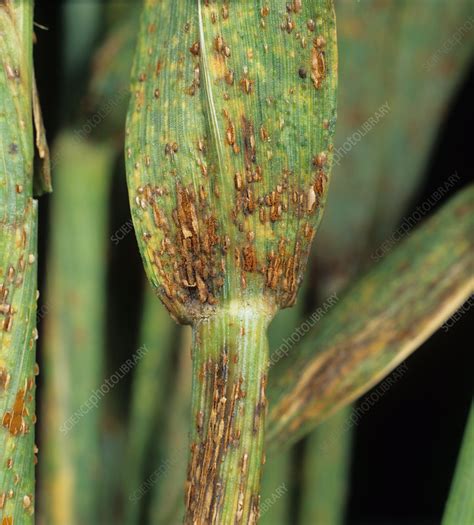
[(150, 386), (277, 485), (167, 504), (74, 338), (326, 471), (230, 359)]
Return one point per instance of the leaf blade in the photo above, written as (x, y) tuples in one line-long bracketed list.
[(423, 281)]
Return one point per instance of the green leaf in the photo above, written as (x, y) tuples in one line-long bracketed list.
[(150, 391), (460, 505), (326, 472), (74, 332)]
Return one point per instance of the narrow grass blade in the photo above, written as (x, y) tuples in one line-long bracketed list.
[(74, 332), (404, 298), (426, 75), (75, 346), (460, 505), (326, 471), (151, 385), (275, 499), (167, 505), (18, 266)]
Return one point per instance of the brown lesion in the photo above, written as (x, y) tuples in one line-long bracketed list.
[(320, 184), (4, 379), (254, 509), (188, 257), (283, 271), (249, 258), (318, 62), (248, 133), (229, 77), (260, 406), (195, 48), (14, 420), (221, 47), (214, 438), (288, 23), (231, 133), (246, 84), (196, 81)]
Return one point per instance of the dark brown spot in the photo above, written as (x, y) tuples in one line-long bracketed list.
[(13, 148), (195, 48), (302, 72)]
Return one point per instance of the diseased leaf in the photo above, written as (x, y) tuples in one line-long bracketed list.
[(404, 298), (229, 141), (228, 153), (18, 267)]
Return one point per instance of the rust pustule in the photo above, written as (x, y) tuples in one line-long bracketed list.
[(195, 48), (249, 142), (247, 85), (249, 257), (171, 149), (320, 183), (14, 419), (320, 160), (318, 62), (229, 77), (302, 72)]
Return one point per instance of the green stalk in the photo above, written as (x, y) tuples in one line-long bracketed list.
[(277, 474), (73, 472), (150, 386), (230, 360), (277, 480), (74, 337), (229, 153), (460, 505), (18, 266), (167, 504), (326, 471)]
